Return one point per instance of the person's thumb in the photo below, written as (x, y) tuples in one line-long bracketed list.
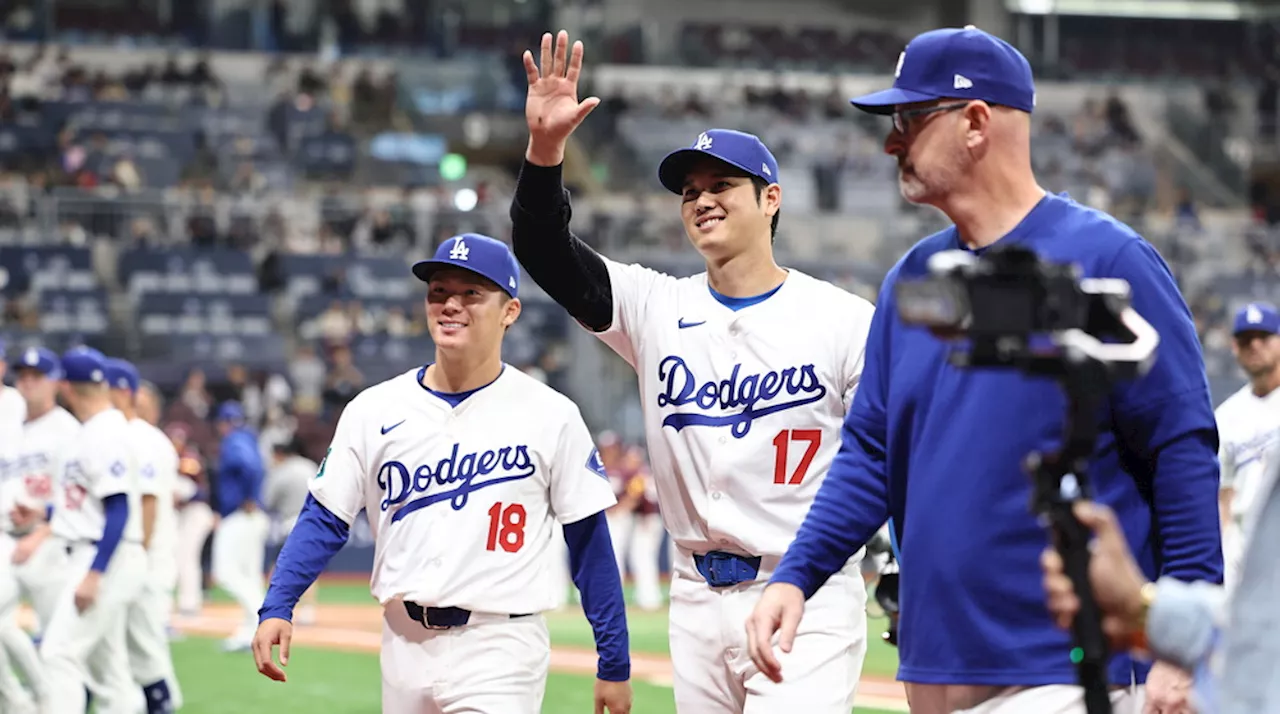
[(585, 107), (285, 637), (1097, 517)]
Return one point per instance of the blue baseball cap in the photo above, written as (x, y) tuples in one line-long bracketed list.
[(487, 257), (41, 359), (84, 364), (963, 63), (122, 375), (736, 148), (1257, 317), (230, 411)]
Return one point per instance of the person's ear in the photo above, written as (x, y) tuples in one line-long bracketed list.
[(978, 118)]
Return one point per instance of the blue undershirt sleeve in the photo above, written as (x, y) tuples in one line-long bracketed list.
[(595, 573), (315, 538), (115, 508)]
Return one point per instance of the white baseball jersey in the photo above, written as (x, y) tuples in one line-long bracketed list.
[(157, 462), (743, 409), (461, 500), (13, 411), (101, 464), (36, 474), (1248, 430)]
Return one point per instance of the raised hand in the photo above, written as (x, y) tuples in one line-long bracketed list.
[(552, 108)]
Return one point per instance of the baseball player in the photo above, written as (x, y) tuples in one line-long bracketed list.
[(745, 373), (38, 569), (1248, 428), (15, 645), (285, 492), (462, 466), (95, 519), (147, 620), (240, 542), (196, 519)]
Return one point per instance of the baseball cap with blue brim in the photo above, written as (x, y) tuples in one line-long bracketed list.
[(736, 148), (41, 359), (956, 63), (231, 411), (487, 257), (84, 365), (1257, 317), (122, 375)]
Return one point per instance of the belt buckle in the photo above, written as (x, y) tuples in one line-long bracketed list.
[(722, 570)]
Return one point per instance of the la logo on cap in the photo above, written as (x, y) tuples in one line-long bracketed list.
[(703, 143), (1253, 314), (897, 71), (460, 251)]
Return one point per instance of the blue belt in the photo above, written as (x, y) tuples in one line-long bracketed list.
[(724, 569), (441, 618)]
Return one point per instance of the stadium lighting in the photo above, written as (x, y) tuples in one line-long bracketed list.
[(465, 199)]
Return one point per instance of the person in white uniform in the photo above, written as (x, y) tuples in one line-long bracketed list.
[(15, 645), (147, 621), (746, 371), (95, 518), (1248, 428), (462, 466)]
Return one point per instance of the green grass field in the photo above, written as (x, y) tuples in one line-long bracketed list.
[(340, 682)]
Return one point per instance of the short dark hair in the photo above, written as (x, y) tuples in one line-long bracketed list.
[(760, 185)]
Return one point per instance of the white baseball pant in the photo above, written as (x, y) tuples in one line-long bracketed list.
[(195, 523), (1051, 699), (147, 637), (492, 665), (77, 644), (16, 647), (637, 545), (713, 671), (239, 560)]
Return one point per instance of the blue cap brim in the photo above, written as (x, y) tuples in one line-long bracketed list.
[(884, 101), (674, 169), (424, 269)]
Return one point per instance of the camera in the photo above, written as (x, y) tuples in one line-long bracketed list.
[(1005, 299)]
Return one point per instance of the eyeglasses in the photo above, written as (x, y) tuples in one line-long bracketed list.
[(902, 118)]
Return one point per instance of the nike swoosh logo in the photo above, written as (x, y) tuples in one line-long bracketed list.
[(684, 324), (386, 429)]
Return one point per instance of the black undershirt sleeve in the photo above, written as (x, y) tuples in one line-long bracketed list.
[(573, 274)]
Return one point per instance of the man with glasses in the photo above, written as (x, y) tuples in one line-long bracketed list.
[(939, 449)]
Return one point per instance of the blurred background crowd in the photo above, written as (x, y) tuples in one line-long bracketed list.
[(229, 192)]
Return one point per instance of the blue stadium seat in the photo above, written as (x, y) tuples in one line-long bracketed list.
[(364, 276), (204, 314), (51, 267)]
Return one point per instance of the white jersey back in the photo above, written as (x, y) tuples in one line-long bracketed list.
[(35, 476), (742, 409), (101, 464), (13, 412), (1248, 432), (158, 476), (461, 500)]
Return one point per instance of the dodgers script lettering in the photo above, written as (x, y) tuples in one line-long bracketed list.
[(751, 393), (466, 474)]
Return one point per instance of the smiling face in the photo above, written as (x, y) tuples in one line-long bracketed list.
[(724, 214), (467, 312)]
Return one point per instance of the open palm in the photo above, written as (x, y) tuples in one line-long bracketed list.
[(552, 108)]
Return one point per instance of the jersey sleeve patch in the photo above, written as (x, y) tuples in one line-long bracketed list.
[(596, 465)]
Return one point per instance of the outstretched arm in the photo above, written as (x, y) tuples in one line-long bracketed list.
[(569, 271)]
